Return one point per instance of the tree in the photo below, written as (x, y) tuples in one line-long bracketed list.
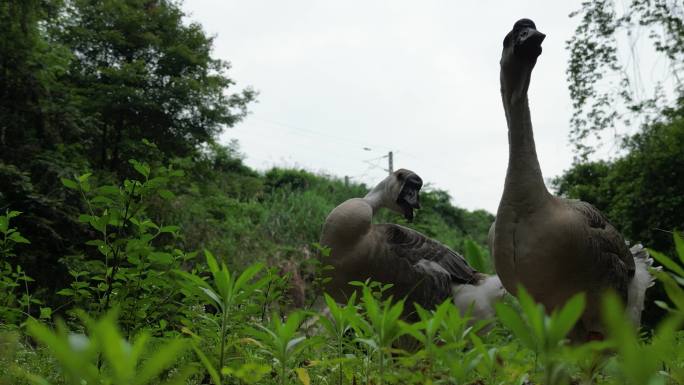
[(82, 83), (640, 192), (142, 73), (604, 70), (29, 67)]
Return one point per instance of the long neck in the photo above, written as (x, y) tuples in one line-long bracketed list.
[(524, 182), (376, 198)]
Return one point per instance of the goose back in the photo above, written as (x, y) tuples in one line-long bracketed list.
[(421, 269)]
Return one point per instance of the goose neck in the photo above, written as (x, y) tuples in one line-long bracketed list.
[(376, 198), (524, 182)]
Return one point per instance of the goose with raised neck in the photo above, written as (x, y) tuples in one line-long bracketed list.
[(554, 247), (421, 269)]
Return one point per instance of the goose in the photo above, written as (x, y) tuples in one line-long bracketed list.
[(554, 247), (422, 270)]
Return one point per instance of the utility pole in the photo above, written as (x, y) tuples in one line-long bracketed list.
[(346, 181), (391, 162)]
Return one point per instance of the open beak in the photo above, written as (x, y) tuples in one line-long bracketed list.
[(408, 212), (409, 197), (528, 43), (410, 204)]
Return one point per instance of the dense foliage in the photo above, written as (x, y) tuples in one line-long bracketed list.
[(135, 249), (641, 191), (625, 68)]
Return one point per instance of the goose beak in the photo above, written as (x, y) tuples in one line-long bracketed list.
[(528, 43)]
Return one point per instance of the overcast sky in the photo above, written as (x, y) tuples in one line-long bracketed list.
[(420, 78)]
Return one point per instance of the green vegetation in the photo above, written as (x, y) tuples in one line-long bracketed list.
[(640, 191), (608, 63), (135, 249), (231, 327)]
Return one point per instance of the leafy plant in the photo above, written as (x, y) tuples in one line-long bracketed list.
[(544, 334), (381, 325), (427, 332), (79, 355), (638, 362), (13, 278), (477, 256), (228, 293), (130, 271), (457, 332), (282, 342), (674, 280), (339, 324), (10, 235)]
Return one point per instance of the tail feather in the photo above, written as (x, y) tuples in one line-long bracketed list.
[(481, 297), (641, 281)]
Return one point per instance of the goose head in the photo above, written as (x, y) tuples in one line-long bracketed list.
[(399, 192), (521, 48)]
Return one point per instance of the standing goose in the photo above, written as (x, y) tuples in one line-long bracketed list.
[(421, 269), (554, 247)]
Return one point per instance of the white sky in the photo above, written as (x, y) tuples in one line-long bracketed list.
[(420, 78)]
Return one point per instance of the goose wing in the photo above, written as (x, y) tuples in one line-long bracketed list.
[(614, 259), (422, 269)]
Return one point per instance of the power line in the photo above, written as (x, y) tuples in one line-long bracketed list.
[(310, 131), (372, 162)]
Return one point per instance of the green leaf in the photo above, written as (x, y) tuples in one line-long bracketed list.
[(512, 320), (475, 256), (142, 168), (70, 184), (667, 262), (369, 342), (679, 245), (673, 290), (161, 360), (291, 344), (566, 318), (160, 257), (169, 229), (45, 313), (250, 372), (213, 296), (60, 347), (211, 261), (213, 373), (4, 223), (109, 190), (303, 376), (86, 218), (17, 238), (84, 177), (35, 379), (533, 311), (114, 347), (66, 292), (102, 200), (247, 275), (166, 194), (177, 173)]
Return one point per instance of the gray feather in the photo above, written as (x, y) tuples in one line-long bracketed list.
[(422, 270), (615, 260)]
